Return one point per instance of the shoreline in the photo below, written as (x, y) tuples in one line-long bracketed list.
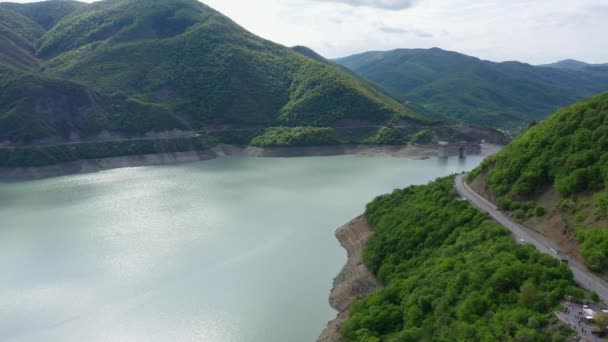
[(97, 165), (354, 281)]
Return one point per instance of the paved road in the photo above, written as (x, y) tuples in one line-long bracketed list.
[(572, 315), (583, 276)]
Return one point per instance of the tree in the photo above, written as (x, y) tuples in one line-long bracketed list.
[(601, 318), (527, 294)]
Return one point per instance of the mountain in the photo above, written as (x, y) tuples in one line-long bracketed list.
[(572, 64), (135, 66), (18, 35), (44, 13), (560, 165), (463, 88)]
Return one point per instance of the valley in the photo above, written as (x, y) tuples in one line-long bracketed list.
[(173, 170)]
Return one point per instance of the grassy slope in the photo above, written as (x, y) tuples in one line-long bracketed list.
[(567, 153), (451, 274), (460, 87)]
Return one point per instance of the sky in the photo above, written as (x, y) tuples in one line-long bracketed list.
[(532, 31)]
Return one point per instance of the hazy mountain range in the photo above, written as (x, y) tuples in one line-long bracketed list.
[(458, 87)]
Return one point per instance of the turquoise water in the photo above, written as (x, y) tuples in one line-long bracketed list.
[(235, 249)]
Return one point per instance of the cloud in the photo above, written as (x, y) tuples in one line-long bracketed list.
[(399, 30), (393, 5), (423, 34), (393, 30)]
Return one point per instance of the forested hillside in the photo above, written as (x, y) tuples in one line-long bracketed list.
[(566, 155), (178, 64), (452, 274), (45, 13), (463, 88), (18, 35)]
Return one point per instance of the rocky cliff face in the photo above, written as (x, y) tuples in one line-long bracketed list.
[(355, 281)]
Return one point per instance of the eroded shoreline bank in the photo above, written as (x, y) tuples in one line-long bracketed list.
[(354, 281), (96, 165)]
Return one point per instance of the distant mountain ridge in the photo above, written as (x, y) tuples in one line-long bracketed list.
[(458, 87), (572, 64), (154, 65)]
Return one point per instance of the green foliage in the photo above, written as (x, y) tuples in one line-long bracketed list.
[(210, 68), (45, 13), (311, 136), (601, 202), (295, 136), (450, 274), (18, 35), (150, 65), (36, 106), (540, 211), (519, 214), (464, 88), (568, 151), (595, 248), (423, 137), (389, 136)]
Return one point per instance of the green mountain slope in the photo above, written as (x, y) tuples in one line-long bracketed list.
[(451, 274), (35, 106), (562, 164), (45, 13), (18, 35), (468, 89), (192, 63)]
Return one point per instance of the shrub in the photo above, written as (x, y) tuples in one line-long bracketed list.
[(595, 248), (601, 202), (540, 211), (504, 203), (519, 214)]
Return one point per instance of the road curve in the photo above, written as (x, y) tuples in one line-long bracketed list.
[(582, 275)]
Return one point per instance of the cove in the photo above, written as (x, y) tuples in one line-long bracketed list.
[(231, 249)]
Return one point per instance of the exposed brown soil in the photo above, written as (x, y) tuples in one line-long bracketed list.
[(355, 281), (552, 225), (480, 186), (555, 225)]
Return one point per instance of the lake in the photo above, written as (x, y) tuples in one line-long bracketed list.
[(232, 249)]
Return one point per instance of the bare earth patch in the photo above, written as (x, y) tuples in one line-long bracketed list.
[(355, 281)]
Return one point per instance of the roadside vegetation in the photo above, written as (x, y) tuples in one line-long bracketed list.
[(452, 274), (568, 153)]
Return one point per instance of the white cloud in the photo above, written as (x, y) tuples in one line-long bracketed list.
[(383, 4)]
